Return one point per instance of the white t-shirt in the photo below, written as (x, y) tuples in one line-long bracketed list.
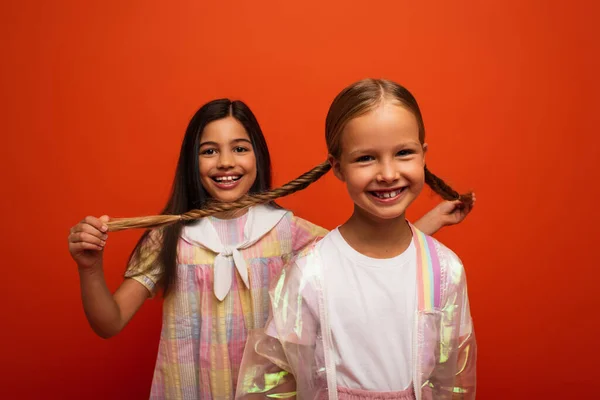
[(372, 304)]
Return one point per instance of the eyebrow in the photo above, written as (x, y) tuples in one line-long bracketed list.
[(360, 151), (371, 150), (233, 141)]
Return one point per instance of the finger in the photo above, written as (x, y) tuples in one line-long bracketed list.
[(96, 223), (84, 237), (91, 230), (458, 206), (104, 219), (471, 205), (86, 246), (447, 206)]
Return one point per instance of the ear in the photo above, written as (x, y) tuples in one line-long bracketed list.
[(425, 147), (335, 167)]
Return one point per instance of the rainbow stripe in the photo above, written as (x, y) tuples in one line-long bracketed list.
[(428, 274)]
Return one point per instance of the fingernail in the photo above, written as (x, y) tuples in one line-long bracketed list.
[(104, 228), (103, 243), (104, 237)]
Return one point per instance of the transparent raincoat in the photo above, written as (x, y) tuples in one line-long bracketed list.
[(292, 356)]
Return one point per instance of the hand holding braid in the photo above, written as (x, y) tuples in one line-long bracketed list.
[(156, 221)]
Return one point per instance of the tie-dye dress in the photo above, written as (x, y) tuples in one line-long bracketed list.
[(203, 339)]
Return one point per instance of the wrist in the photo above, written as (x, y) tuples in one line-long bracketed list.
[(88, 271)]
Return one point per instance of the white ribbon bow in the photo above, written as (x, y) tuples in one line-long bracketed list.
[(261, 220)]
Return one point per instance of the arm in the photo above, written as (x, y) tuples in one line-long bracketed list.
[(106, 313), (444, 214), (264, 372), (453, 376), (466, 360), (280, 361)]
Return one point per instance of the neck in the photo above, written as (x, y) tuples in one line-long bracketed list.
[(376, 237)]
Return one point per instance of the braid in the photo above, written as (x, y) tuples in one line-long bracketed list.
[(444, 190), (155, 221)]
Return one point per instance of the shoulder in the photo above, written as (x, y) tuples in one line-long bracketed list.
[(309, 252), (448, 258), (149, 244), (298, 232), (305, 265), (452, 271), (302, 225)]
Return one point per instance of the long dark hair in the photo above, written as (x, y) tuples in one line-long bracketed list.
[(187, 191)]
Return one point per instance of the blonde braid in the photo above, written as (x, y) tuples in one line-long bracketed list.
[(444, 190), (155, 221)]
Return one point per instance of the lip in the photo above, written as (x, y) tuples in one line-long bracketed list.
[(389, 200), (226, 185)]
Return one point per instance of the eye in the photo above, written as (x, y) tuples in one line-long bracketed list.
[(240, 149), (208, 152), (405, 152), (364, 159)]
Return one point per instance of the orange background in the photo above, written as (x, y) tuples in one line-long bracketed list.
[(96, 97)]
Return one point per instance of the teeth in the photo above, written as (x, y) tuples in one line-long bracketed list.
[(387, 195), (226, 178)]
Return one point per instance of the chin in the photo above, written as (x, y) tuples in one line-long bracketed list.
[(229, 197), (388, 215), (379, 213), (383, 212)]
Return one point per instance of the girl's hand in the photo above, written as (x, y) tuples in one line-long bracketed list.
[(453, 212), (444, 214), (87, 240)]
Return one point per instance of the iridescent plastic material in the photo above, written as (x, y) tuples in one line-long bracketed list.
[(292, 356)]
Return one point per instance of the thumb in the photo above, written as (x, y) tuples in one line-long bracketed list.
[(104, 219)]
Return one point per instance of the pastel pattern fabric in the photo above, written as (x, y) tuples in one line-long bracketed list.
[(203, 338)]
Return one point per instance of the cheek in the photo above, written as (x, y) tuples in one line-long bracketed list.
[(250, 165), (357, 179), (204, 167), (416, 173)]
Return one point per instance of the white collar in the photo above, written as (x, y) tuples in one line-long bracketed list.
[(261, 220)]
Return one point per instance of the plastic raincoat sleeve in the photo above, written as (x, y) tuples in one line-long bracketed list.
[(280, 360), (465, 377), (451, 374)]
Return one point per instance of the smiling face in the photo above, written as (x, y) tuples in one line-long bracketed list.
[(227, 160), (382, 160)]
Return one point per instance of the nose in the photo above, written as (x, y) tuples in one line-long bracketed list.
[(226, 160), (388, 173)]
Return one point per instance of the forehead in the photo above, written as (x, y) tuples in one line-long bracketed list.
[(223, 131), (388, 124)]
